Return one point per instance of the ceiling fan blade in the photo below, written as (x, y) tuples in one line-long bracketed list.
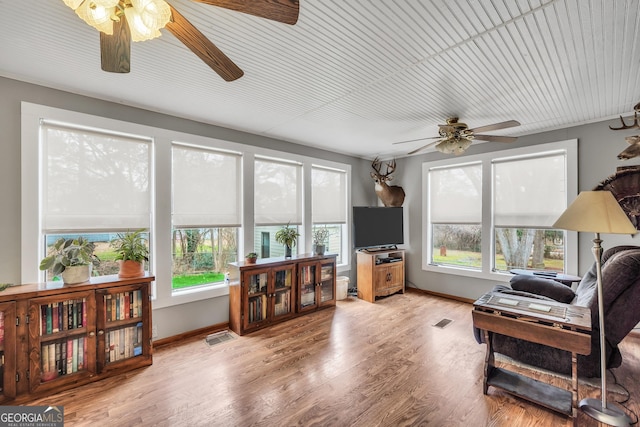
[(413, 140), (115, 50), (285, 11), (495, 138), (184, 31), (496, 126), (423, 147)]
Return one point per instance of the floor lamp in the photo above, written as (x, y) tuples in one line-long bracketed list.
[(598, 212)]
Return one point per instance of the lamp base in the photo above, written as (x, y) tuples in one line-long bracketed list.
[(612, 415)]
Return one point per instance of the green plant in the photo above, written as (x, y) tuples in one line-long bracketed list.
[(320, 235), (251, 255), (287, 236), (131, 246), (68, 253)]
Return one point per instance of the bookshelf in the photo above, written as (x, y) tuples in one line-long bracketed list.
[(271, 290), (53, 336), (316, 284)]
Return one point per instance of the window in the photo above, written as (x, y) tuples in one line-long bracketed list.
[(277, 201), (530, 193), (455, 201), (329, 206), (94, 183), (513, 197), (206, 210)]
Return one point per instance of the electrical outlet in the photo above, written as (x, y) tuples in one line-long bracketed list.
[(154, 331)]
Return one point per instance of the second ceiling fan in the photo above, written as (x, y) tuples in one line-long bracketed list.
[(455, 137)]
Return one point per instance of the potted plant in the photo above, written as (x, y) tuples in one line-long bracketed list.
[(251, 258), (287, 236), (320, 237), (71, 258), (132, 251)]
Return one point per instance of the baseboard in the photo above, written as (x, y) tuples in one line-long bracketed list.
[(190, 334), (438, 294)]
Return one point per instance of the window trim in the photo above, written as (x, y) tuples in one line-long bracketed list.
[(486, 159), (163, 139)]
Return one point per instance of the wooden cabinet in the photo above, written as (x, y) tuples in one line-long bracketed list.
[(316, 284), (56, 336), (8, 351), (276, 289), (380, 273)]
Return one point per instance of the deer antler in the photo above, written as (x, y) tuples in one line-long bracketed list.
[(632, 126), (391, 166), (376, 165)]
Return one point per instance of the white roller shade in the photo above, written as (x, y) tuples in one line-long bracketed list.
[(277, 192), (329, 196), (94, 181), (456, 194), (206, 188), (530, 193)]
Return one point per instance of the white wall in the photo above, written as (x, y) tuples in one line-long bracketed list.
[(170, 320), (598, 148)]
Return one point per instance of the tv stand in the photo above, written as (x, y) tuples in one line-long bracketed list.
[(380, 273)]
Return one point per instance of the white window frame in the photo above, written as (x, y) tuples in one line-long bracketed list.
[(488, 241), (32, 242)]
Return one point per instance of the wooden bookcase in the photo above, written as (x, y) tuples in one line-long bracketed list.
[(277, 289), (56, 336), (380, 273)]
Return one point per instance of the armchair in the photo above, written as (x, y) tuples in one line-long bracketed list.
[(621, 286)]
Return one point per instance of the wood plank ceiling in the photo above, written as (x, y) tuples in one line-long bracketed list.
[(355, 76)]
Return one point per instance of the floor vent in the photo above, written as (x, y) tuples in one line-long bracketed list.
[(218, 337), (443, 323)]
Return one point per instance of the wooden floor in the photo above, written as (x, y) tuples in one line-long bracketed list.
[(359, 364)]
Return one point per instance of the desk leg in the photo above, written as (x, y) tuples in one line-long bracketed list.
[(489, 361), (574, 388)]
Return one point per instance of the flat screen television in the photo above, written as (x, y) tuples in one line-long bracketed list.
[(377, 226)]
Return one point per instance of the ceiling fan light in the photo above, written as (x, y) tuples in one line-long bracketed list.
[(107, 3), (155, 14), (99, 17), (73, 4), (139, 31)]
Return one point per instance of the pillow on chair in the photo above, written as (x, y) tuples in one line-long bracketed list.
[(543, 286)]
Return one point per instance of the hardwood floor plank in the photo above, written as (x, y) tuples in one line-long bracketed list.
[(360, 364)]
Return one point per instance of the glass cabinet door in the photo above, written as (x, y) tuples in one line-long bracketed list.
[(7, 350), (308, 284), (256, 284), (282, 296), (327, 280)]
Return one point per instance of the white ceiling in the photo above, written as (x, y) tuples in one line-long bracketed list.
[(355, 76)]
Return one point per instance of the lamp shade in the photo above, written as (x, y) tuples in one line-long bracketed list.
[(595, 212)]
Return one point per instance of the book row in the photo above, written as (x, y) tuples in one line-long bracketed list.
[(124, 305), (62, 357), (123, 343), (257, 308), (62, 316), (283, 303)]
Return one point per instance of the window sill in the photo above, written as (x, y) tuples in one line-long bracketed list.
[(185, 296), (459, 271)]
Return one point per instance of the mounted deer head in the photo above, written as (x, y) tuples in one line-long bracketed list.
[(390, 195)]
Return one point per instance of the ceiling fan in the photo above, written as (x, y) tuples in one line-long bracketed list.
[(121, 21), (455, 137)]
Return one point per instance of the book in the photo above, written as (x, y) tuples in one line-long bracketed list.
[(81, 341), (49, 319), (69, 356), (55, 320), (74, 357)]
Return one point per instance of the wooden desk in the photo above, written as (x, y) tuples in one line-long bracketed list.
[(550, 323)]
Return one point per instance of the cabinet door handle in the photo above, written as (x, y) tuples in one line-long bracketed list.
[(92, 334), (100, 332)]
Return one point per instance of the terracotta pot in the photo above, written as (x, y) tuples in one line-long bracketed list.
[(129, 269), (251, 260)]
